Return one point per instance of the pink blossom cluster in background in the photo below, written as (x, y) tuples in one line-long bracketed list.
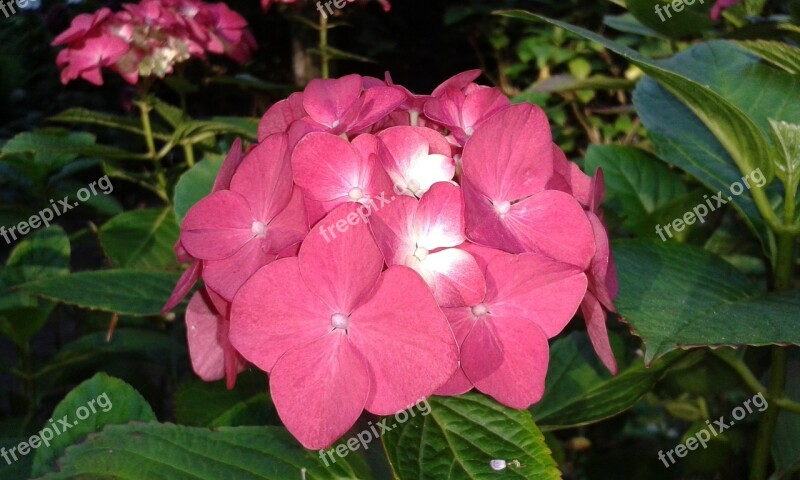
[(150, 38), (721, 5), (377, 247)]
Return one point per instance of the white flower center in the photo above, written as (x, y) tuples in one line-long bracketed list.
[(259, 229), (340, 321), (355, 194), (421, 253), (480, 310), (502, 207)]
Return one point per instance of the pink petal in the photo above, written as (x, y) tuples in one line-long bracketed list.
[(378, 103), (598, 270), (595, 318), (415, 158), (342, 271), (217, 226), (510, 156), (534, 287), (189, 277), (457, 384), (289, 227), (506, 358), (455, 277), (597, 190), (205, 350), (393, 227), (319, 389), (480, 105), (234, 363), (457, 81), (275, 312), (264, 178), (281, 115), (328, 167), (229, 166), (550, 222), (439, 220), (568, 177), (483, 255), (226, 276), (327, 101), (406, 341)]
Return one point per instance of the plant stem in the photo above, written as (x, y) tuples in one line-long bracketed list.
[(188, 152), (324, 67), (784, 260), (144, 113)]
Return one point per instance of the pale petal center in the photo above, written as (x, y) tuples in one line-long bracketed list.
[(259, 229), (421, 253), (480, 310), (355, 194), (340, 321), (502, 207)]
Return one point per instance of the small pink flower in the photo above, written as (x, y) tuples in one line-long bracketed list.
[(421, 233), (503, 336), (343, 106), (337, 336), (461, 108), (415, 158), (237, 231), (507, 164)]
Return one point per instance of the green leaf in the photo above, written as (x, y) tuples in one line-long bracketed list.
[(211, 404), (164, 451), (128, 292), (639, 181), (627, 23), (141, 239), (171, 114), (780, 54), (95, 403), (458, 437), (91, 117), (575, 394), (691, 20), (57, 147), (567, 83), (679, 296), (787, 165), (737, 132), (45, 254), (196, 183)]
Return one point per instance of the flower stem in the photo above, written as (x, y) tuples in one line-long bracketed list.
[(188, 152), (144, 113), (325, 60), (784, 261)]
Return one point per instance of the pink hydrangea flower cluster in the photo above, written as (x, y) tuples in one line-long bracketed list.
[(150, 38), (377, 247)]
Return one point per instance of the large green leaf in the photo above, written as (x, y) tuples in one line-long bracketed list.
[(95, 403), (141, 238), (171, 452), (743, 138), (128, 292), (678, 296), (211, 404), (458, 437), (196, 183), (44, 254), (786, 441), (56, 147), (578, 393), (780, 54), (638, 181)]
